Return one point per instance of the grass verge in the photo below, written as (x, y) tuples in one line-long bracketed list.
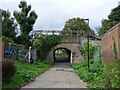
[(26, 72)]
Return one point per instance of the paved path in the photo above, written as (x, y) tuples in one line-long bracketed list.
[(61, 75), (61, 59)]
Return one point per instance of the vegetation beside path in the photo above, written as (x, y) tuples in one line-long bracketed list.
[(26, 72), (99, 76)]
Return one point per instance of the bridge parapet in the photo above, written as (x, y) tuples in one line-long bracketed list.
[(70, 39), (58, 31), (67, 36)]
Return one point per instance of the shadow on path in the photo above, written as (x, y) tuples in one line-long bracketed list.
[(62, 65)]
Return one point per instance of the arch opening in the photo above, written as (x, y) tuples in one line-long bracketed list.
[(62, 55)]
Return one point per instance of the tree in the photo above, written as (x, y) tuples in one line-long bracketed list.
[(26, 19), (76, 24), (115, 14), (113, 19), (9, 26)]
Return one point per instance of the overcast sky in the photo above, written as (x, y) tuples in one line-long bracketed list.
[(52, 14)]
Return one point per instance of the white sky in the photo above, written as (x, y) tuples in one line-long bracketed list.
[(52, 14)]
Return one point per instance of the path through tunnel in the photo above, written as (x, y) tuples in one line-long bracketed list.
[(62, 55)]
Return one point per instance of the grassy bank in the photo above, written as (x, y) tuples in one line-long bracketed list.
[(26, 72), (99, 76)]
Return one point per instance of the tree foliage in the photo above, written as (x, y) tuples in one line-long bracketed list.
[(6, 39), (115, 14), (9, 26), (113, 19), (25, 18), (77, 24), (84, 50), (23, 40), (44, 44)]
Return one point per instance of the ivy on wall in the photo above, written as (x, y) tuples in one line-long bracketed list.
[(44, 44), (84, 50)]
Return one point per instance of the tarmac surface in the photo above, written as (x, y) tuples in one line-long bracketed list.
[(61, 75)]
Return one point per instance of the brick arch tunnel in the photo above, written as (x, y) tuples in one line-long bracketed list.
[(64, 56), (74, 57)]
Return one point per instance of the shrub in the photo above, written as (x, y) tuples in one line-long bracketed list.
[(112, 72), (8, 69), (26, 72), (92, 77), (84, 50), (99, 76)]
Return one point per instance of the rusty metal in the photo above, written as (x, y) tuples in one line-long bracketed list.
[(58, 31)]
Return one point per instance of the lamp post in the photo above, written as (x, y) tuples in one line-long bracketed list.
[(88, 43)]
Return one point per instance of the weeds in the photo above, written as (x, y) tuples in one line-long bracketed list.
[(26, 72), (99, 76)]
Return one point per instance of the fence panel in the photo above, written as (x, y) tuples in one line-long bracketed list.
[(10, 51), (22, 53), (14, 52)]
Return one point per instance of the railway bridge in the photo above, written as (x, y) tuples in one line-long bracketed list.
[(70, 42)]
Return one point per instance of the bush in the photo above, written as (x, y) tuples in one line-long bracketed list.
[(26, 72), (92, 76), (84, 50), (99, 76), (8, 69), (112, 72)]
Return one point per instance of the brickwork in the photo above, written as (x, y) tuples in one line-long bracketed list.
[(1, 50), (107, 44), (72, 47)]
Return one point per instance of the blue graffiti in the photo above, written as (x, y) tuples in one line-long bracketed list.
[(10, 52)]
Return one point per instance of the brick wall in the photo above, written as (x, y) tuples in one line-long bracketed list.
[(107, 44), (1, 50)]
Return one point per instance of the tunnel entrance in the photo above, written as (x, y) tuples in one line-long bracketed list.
[(62, 55)]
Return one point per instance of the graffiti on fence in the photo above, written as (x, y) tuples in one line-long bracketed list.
[(10, 52), (16, 52)]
